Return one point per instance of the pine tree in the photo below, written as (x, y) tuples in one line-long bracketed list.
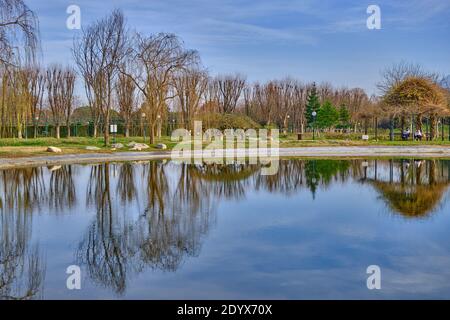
[(312, 104), (344, 117), (327, 116)]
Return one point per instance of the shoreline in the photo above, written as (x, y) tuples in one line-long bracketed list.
[(302, 152)]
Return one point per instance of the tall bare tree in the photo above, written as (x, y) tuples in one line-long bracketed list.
[(229, 91), (127, 99), (19, 30), (98, 53), (190, 86), (60, 86), (157, 58), (36, 88)]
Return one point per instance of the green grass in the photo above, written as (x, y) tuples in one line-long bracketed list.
[(13, 147)]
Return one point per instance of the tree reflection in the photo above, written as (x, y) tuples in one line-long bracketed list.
[(104, 249), (22, 189), (62, 193), (22, 269), (419, 189), (156, 214), (170, 226), (126, 187)]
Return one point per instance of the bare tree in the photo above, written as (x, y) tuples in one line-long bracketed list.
[(127, 99), (36, 88), (98, 53), (229, 90), (68, 85), (400, 71), (190, 86), (60, 86), (157, 58), (19, 30)]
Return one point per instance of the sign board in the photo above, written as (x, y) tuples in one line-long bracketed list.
[(113, 128)]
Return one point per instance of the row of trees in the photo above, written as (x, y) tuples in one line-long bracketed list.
[(150, 78), (142, 76)]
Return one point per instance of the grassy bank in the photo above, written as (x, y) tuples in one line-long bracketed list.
[(10, 147)]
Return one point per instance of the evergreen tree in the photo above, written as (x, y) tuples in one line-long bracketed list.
[(344, 117), (327, 116), (312, 104)]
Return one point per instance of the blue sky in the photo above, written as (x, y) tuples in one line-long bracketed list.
[(309, 40)]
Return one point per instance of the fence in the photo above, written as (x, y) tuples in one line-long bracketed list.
[(83, 129)]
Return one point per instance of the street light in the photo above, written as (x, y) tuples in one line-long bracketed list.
[(143, 124), (36, 123), (287, 124), (158, 117), (314, 114)]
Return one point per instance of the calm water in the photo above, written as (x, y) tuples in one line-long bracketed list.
[(162, 230)]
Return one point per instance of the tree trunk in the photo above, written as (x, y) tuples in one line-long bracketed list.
[(433, 126), (419, 123), (402, 123), (106, 130), (35, 133), (127, 129), (391, 130), (152, 134), (68, 130), (58, 136), (95, 131)]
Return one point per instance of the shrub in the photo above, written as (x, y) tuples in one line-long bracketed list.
[(227, 121)]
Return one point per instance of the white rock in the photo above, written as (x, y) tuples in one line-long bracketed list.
[(117, 146), (54, 149), (92, 148), (161, 146)]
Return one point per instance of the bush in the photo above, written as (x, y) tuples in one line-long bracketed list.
[(227, 121)]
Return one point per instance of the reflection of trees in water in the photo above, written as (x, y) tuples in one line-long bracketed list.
[(178, 208), (419, 188), (21, 267), (412, 188), (22, 189), (295, 174), (224, 181), (169, 228), (62, 193), (126, 186), (104, 249)]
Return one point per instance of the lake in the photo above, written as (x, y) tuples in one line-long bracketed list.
[(165, 230)]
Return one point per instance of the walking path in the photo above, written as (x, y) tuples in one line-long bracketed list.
[(304, 152)]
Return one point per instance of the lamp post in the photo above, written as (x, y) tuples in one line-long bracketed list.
[(314, 114), (143, 124), (158, 117), (36, 126), (287, 123)]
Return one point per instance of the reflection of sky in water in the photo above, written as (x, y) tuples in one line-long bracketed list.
[(264, 245)]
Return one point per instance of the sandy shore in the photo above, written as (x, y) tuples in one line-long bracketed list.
[(305, 152)]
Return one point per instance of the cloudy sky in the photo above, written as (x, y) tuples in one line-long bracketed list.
[(310, 40)]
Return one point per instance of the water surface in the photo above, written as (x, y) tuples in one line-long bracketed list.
[(164, 230)]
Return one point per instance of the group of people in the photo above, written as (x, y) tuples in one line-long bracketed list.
[(418, 135)]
